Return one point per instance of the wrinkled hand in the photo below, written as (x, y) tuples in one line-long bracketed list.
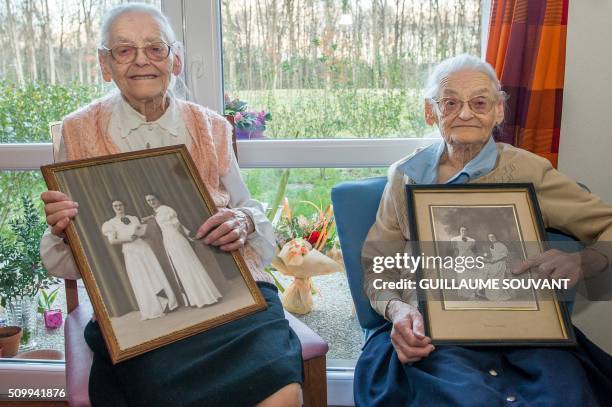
[(59, 210), (407, 335), (554, 264), (227, 229)]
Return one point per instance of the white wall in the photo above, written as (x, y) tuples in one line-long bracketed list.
[(585, 150)]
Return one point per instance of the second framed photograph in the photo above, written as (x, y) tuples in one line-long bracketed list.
[(470, 237), (149, 280)]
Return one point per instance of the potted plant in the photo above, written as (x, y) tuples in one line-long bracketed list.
[(21, 272), (251, 125), (247, 124), (53, 317), (10, 337), (233, 106)]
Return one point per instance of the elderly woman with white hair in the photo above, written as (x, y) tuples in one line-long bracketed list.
[(399, 365), (255, 360)]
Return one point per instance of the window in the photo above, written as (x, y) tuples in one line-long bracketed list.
[(341, 69)]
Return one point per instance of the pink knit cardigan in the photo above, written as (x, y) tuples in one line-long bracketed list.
[(85, 134)]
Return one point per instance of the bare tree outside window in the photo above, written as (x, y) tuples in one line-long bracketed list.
[(343, 68)]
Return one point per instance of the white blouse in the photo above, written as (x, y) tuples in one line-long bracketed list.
[(130, 131)]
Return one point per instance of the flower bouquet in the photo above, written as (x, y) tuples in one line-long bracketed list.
[(303, 243)]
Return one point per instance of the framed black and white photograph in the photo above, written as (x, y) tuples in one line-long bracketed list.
[(493, 233), (149, 280), (480, 302)]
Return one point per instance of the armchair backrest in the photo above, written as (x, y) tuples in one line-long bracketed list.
[(355, 206)]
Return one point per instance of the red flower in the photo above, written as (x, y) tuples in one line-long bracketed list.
[(313, 237)]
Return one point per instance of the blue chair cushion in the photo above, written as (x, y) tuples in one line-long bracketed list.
[(355, 206)]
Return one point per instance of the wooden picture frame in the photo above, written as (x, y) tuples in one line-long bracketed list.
[(149, 281), (485, 220)]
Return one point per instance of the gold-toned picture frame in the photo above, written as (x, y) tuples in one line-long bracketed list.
[(483, 219), (150, 282)]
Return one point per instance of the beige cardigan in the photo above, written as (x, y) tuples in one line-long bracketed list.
[(565, 206)]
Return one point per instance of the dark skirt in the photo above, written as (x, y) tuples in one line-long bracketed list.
[(463, 376), (237, 364)]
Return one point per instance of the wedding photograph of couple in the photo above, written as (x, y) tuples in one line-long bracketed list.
[(491, 232), (137, 233)]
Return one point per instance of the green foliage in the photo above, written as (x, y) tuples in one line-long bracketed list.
[(280, 194), (21, 270), (46, 300), (341, 113), (13, 185), (233, 106), (26, 111), (25, 336), (304, 184)]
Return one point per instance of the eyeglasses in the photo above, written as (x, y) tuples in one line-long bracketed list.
[(452, 106), (126, 54)]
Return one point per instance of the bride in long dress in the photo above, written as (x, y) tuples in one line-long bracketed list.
[(197, 284), (149, 283)]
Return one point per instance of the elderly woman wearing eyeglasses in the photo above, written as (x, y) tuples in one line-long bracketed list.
[(399, 365), (253, 360)]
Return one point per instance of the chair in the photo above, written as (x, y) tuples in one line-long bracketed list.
[(355, 206), (79, 356)]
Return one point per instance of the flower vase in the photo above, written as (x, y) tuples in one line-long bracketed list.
[(22, 312), (242, 134)]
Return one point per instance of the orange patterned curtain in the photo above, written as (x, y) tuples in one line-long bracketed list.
[(527, 49)]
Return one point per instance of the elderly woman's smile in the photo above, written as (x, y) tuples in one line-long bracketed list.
[(140, 77)]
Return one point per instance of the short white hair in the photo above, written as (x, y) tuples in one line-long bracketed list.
[(118, 11), (463, 62)]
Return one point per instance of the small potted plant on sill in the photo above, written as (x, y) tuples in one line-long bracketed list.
[(248, 125), (52, 316), (10, 337), (251, 125), (231, 107), (22, 274)]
